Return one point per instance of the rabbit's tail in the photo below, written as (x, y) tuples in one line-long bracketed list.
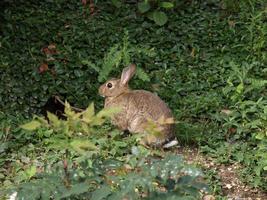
[(170, 144)]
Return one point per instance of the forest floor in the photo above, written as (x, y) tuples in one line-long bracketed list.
[(231, 183)]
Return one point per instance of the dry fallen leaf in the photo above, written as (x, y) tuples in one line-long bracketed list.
[(193, 52), (50, 49), (208, 197), (92, 7), (231, 23), (43, 68), (226, 111), (232, 130), (51, 46), (84, 2)]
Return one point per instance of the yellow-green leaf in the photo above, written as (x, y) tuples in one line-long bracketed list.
[(81, 146), (33, 125), (41, 120), (75, 115), (240, 88), (85, 128), (30, 172), (260, 136), (108, 112), (162, 120), (89, 113), (53, 119), (68, 111)]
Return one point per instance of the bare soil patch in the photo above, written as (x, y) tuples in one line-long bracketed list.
[(232, 186)]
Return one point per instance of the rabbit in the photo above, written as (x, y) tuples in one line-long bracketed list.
[(137, 108)]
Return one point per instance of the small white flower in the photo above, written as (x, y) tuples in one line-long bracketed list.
[(13, 196)]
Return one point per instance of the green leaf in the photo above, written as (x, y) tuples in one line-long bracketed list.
[(76, 190), (111, 61), (142, 74), (143, 7), (150, 15), (166, 5), (33, 125), (90, 64), (3, 146), (101, 193), (240, 88), (116, 3), (30, 172), (160, 18), (260, 136)]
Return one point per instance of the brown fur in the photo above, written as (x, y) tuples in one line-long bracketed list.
[(137, 107)]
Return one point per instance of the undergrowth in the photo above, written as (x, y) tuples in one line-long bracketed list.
[(101, 166)]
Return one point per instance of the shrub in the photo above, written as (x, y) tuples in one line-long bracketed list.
[(92, 169)]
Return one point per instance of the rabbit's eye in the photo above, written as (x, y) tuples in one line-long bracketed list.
[(109, 85)]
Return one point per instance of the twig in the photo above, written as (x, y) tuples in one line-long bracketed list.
[(72, 107)]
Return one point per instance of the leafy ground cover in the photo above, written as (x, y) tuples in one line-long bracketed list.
[(207, 62)]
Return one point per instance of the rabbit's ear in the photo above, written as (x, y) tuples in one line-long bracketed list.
[(127, 74)]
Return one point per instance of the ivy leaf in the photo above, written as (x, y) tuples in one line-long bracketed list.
[(143, 7), (101, 193), (76, 189), (166, 5), (150, 15), (116, 3), (31, 126), (160, 18)]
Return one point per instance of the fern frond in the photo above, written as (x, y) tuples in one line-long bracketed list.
[(111, 61)]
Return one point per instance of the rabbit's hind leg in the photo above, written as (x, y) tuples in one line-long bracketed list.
[(136, 125)]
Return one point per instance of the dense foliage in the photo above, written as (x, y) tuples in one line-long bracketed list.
[(95, 168), (207, 61)]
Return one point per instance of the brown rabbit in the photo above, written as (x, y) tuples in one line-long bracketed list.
[(138, 108)]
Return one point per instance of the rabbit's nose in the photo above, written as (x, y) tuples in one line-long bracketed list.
[(100, 92)]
